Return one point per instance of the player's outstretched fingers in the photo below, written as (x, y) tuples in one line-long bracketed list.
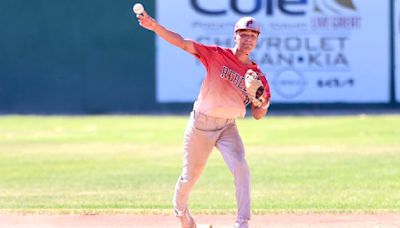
[(145, 13)]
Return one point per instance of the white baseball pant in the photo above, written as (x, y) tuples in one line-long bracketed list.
[(202, 134)]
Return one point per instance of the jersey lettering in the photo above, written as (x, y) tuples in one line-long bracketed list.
[(237, 80), (233, 77)]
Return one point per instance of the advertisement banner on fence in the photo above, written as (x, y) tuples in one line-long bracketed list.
[(321, 51), (397, 48)]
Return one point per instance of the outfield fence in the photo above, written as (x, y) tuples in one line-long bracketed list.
[(93, 58)]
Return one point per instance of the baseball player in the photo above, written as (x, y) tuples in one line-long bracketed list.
[(233, 81)]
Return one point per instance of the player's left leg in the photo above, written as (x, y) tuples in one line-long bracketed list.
[(231, 147)]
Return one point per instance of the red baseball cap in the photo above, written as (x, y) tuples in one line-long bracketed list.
[(248, 23)]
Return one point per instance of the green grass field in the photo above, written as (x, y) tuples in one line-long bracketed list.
[(129, 164)]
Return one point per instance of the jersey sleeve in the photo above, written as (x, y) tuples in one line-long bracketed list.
[(204, 53)]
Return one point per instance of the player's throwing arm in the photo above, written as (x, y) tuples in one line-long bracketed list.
[(147, 22)]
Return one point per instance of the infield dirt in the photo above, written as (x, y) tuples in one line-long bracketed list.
[(217, 221)]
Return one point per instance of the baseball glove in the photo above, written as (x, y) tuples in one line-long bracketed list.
[(254, 88)]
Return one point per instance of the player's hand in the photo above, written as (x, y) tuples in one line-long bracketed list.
[(146, 21), (257, 102), (261, 103)]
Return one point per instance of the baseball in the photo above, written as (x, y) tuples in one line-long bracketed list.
[(138, 8)]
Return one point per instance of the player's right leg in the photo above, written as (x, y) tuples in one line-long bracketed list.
[(198, 144)]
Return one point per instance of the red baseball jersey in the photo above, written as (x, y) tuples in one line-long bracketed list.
[(223, 92)]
